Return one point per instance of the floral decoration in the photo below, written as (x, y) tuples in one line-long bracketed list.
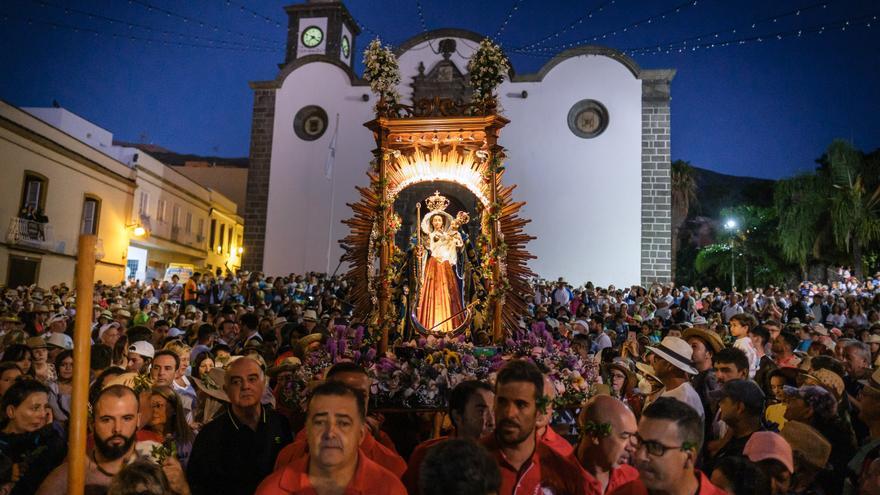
[(382, 72), (486, 70)]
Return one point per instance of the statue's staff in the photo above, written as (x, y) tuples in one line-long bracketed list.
[(466, 309)]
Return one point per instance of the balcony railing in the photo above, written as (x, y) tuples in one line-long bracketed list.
[(30, 233)]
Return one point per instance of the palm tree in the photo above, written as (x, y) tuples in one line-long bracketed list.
[(837, 207), (684, 195)]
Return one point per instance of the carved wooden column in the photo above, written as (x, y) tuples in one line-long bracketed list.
[(384, 291)]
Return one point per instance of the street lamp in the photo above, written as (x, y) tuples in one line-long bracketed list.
[(730, 225)]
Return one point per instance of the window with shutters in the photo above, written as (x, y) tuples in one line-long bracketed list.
[(175, 216), (188, 224), (33, 194), (213, 234), (90, 212), (144, 204), (160, 210), (222, 236)]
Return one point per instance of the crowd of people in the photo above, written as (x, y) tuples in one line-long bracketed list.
[(760, 391)]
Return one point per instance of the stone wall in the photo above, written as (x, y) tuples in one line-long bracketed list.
[(257, 198), (656, 179)]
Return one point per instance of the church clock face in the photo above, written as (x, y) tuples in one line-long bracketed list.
[(312, 36), (587, 119), (310, 123), (346, 47)]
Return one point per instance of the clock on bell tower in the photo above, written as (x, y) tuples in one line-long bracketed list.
[(320, 27)]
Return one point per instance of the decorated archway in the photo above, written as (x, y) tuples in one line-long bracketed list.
[(436, 141)]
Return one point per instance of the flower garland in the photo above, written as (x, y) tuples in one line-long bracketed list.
[(486, 70), (382, 72)]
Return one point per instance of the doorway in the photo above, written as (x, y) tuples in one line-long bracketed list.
[(22, 271)]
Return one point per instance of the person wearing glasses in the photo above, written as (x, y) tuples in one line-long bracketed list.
[(607, 442), (668, 442)]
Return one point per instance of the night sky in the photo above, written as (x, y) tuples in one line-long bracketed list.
[(762, 108)]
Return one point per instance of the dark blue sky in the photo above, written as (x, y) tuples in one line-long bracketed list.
[(765, 109)]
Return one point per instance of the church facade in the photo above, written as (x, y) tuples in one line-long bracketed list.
[(588, 146)]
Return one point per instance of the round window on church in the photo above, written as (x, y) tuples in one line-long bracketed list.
[(310, 122), (587, 119)]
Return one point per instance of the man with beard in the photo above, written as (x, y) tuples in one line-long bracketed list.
[(527, 465), (115, 425), (470, 410), (607, 443), (236, 450), (668, 443), (335, 428)]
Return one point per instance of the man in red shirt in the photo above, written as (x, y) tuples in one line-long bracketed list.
[(470, 410), (375, 448), (546, 434), (335, 427), (668, 443), (527, 465), (608, 441)]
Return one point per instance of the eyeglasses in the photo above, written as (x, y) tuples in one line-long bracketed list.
[(657, 449)]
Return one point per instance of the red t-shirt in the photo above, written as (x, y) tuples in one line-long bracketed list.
[(636, 487), (411, 476), (556, 442), (545, 470), (619, 476), (374, 450), (369, 479)]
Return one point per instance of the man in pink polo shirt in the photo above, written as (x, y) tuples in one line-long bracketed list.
[(335, 427)]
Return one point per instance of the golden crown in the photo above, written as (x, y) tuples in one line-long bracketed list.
[(437, 202)]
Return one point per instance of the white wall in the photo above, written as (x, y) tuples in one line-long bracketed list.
[(583, 194)]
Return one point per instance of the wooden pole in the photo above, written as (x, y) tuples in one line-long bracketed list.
[(383, 247), (82, 348), (493, 238)]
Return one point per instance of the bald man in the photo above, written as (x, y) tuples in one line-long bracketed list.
[(542, 424), (607, 442)]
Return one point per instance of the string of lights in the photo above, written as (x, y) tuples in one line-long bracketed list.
[(150, 29), (131, 37), (507, 19), (244, 9), (839, 25), (421, 16), (577, 22), (623, 29), (191, 20), (867, 21), (774, 19)]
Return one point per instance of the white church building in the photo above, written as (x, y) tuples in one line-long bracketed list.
[(588, 146)]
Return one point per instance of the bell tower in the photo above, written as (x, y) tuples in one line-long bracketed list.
[(320, 27)]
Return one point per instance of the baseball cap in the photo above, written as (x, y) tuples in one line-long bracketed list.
[(763, 445), (143, 348), (745, 391)]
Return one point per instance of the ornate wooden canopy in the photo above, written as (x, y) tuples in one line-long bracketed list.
[(437, 140)]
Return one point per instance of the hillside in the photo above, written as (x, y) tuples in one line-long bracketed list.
[(716, 191)]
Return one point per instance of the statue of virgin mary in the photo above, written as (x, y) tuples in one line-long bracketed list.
[(440, 307)]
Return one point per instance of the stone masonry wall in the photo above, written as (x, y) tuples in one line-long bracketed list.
[(262, 124), (656, 183)]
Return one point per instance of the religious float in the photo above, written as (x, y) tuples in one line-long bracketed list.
[(438, 289)]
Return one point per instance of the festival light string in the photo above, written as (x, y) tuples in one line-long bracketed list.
[(715, 35), (577, 22), (245, 9), (131, 37), (840, 25), (507, 19), (421, 16), (201, 23), (623, 29), (130, 25)]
